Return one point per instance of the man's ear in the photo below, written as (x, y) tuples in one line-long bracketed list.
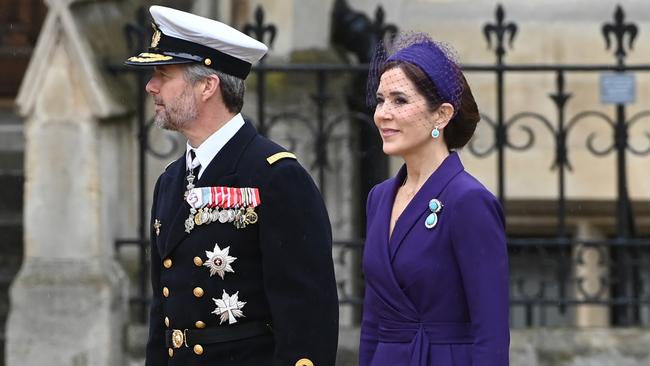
[(209, 87)]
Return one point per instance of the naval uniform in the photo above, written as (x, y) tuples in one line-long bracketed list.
[(276, 277)]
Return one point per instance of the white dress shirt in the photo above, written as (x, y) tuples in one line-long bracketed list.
[(213, 144)]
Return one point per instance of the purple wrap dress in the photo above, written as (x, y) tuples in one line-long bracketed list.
[(436, 296)]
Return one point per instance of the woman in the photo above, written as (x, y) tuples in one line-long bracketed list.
[(435, 259)]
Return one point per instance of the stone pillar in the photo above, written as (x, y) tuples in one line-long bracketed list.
[(590, 270), (68, 302)]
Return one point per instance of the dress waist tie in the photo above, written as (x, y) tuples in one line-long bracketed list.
[(422, 334)]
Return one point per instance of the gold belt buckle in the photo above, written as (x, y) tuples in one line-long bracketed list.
[(177, 338)]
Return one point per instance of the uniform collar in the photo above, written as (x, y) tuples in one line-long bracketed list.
[(213, 144)]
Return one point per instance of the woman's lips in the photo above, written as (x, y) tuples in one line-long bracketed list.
[(388, 132)]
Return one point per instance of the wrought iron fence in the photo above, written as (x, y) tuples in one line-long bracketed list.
[(547, 285)]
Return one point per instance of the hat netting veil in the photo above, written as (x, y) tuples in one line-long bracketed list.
[(437, 60)]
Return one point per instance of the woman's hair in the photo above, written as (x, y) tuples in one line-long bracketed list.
[(434, 69)]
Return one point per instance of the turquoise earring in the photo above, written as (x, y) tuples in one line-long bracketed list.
[(435, 133)]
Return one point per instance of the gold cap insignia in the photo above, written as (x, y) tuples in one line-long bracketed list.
[(155, 38), (149, 57)]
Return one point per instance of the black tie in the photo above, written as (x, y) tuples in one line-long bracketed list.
[(195, 165)]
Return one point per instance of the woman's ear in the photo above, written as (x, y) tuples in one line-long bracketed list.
[(443, 115), (209, 87)]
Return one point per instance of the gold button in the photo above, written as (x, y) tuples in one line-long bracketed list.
[(171, 352), (165, 292), (198, 261), (198, 349), (167, 263), (198, 292), (304, 362), (207, 62), (199, 324), (167, 322)]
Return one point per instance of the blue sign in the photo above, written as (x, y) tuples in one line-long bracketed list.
[(617, 88)]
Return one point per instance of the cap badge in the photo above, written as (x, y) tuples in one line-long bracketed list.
[(155, 38)]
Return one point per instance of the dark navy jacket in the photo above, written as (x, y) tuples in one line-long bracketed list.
[(283, 270)]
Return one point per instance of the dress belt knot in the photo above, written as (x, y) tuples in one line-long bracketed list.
[(400, 331)]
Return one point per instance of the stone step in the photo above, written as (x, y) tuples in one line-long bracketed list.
[(11, 192), (11, 160), (12, 145), (11, 245), (8, 115), (12, 137), (7, 274), (5, 281)]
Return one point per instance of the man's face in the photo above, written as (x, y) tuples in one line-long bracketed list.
[(173, 96)]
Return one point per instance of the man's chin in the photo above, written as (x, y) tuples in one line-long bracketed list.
[(165, 125)]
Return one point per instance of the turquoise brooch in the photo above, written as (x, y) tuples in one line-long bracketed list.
[(432, 220)]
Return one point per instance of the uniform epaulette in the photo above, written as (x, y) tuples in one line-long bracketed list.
[(279, 156)]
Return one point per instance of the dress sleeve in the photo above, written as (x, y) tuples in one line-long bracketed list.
[(369, 332), (155, 353), (478, 236), (296, 243)]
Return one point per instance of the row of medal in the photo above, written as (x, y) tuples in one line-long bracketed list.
[(223, 204)]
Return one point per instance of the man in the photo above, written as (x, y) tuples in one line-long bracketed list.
[(242, 270)]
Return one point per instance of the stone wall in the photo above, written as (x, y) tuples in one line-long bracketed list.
[(580, 347), (69, 299)]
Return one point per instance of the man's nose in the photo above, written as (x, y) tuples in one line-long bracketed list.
[(151, 87)]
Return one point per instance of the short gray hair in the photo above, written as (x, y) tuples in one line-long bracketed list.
[(232, 87)]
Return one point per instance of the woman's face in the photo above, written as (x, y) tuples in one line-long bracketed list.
[(402, 115)]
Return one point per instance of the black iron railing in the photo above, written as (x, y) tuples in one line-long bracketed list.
[(547, 285)]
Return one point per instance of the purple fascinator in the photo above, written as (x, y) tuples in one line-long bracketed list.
[(435, 59)]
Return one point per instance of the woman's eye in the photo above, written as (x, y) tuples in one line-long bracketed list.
[(380, 100), (400, 100)]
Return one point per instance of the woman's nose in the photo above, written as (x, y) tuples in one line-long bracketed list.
[(382, 112)]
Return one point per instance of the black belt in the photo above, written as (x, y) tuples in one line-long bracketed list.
[(176, 338)]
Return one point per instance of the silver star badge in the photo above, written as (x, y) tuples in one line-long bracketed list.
[(219, 261), (229, 308)]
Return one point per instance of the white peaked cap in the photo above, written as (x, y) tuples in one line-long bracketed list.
[(208, 32), (181, 37)]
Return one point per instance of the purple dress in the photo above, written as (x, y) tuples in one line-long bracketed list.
[(436, 296)]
